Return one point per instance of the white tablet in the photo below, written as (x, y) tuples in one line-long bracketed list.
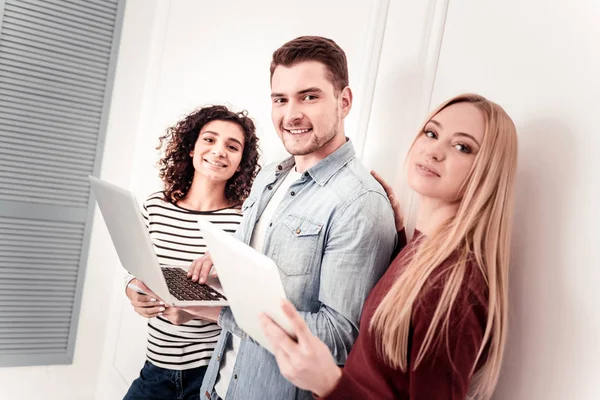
[(250, 281)]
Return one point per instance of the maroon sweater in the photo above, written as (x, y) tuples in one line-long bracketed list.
[(445, 372)]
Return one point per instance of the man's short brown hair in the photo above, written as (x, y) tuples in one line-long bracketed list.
[(314, 48)]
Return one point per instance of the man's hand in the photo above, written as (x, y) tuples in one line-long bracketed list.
[(147, 305), (306, 361), (200, 268)]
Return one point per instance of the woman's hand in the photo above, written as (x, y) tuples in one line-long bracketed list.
[(393, 200), (307, 362), (206, 313), (177, 316), (148, 305), (200, 268)]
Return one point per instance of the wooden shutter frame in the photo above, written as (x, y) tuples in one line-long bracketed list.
[(56, 213)]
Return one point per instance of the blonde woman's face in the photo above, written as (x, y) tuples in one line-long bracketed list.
[(444, 152)]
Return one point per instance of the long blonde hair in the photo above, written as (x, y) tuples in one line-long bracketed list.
[(480, 230)]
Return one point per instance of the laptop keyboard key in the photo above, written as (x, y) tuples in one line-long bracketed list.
[(184, 289)]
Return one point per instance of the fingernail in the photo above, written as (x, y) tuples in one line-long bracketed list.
[(161, 309), (195, 277), (152, 299), (161, 303)]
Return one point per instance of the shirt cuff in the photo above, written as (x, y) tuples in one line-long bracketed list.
[(226, 321)]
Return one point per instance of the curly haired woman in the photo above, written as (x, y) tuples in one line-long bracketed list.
[(210, 161)]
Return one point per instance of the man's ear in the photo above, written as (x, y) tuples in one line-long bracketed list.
[(345, 99)]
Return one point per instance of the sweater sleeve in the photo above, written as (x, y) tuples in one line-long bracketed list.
[(445, 371), (347, 389)]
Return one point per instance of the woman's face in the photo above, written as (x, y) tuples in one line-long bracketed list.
[(218, 151), (444, 152)]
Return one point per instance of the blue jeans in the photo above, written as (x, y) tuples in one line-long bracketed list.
[(157, 383)]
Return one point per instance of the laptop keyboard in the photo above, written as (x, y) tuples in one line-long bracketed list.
[(185, 289)]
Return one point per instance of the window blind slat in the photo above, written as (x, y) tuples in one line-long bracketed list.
[(55, 22), (79, 10), (9, 66), (58, 35), (39, 55), (78, 23)]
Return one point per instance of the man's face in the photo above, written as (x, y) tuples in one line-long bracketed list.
[(306, 112)]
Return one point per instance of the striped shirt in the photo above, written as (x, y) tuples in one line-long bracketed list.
[(177, 242)]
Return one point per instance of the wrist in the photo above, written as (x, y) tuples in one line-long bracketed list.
[(330, 382)]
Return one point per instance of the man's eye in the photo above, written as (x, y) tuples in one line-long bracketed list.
[(309, 97), (278, 100)]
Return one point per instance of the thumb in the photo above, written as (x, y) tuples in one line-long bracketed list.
[(145, 288)]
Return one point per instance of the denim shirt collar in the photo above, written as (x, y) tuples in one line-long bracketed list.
[(327, 167)]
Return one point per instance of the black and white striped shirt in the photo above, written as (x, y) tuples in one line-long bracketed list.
[(177, 242)]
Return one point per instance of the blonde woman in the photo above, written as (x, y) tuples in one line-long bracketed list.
[(434, 327)]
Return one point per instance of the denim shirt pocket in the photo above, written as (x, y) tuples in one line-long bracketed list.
[(296, 244)]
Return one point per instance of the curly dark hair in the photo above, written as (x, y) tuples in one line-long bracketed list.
[(177, 168)]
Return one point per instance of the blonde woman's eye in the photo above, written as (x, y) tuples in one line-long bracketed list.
[(462, 148), (430, 134)]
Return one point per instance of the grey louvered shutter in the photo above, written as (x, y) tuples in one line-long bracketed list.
[(57, 61)]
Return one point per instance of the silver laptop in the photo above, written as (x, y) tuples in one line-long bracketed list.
[(130, 237), (251, 281)]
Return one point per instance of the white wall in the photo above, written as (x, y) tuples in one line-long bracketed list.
[(540, 60), (219, 52)]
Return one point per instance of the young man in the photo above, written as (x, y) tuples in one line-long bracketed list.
[(319, 215)]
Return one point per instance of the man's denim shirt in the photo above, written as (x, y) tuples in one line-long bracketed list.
[(331, 236)]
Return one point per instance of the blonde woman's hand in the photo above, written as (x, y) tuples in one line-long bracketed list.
[(307, 361), (393, 200)]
